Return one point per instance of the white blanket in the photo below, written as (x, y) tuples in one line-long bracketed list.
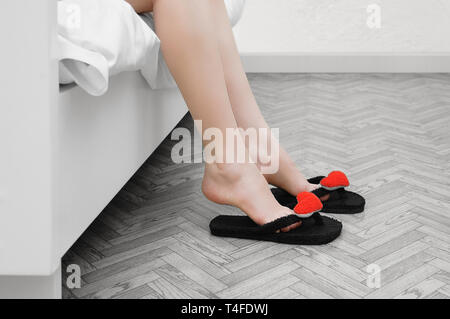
[(100, 38)]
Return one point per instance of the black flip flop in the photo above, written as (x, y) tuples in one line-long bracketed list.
[(314, 230), (341, 201)]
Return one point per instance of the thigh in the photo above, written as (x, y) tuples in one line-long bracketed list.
[(141, 6)]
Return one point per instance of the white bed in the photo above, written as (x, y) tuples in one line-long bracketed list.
[(63, 153)]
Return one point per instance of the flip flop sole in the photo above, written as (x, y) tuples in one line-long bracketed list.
[(309, 233), (352, 203)]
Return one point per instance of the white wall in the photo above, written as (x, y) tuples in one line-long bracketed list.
[(340, 26)]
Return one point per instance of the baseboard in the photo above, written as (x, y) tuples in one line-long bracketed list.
[(346, 62)]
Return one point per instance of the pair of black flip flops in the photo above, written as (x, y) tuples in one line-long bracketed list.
[(315, 228)]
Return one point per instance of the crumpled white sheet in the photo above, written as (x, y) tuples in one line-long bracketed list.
[(101, 38)]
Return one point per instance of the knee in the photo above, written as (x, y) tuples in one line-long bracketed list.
[(142, 6)]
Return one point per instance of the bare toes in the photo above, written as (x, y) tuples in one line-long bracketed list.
[(291, 227)]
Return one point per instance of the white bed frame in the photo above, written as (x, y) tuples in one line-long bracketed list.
[(63, 154)]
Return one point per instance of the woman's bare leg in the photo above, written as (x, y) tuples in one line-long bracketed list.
[(191, 50), (243, 103)]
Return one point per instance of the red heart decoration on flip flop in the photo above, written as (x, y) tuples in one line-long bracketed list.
[(335, 179), (308, 203)]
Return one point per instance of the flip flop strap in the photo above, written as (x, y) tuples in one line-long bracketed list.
[(334, 194), (286, 221)]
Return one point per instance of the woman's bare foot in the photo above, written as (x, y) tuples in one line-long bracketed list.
[(243, 186)]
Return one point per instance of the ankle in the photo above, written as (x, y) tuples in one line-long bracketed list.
[(216, 176), (225, 171)]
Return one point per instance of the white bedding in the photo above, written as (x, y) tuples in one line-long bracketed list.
[(101, 38)]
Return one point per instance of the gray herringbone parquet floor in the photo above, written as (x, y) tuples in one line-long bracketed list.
[(390, 133)]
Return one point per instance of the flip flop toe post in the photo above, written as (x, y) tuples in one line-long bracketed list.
[(307, 204), (340, 201), (334, 180)]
